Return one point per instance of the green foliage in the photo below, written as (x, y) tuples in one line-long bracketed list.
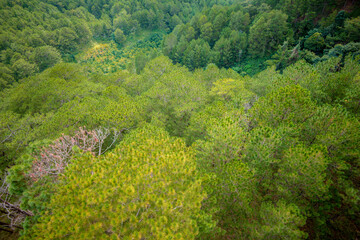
[(197, 54), (6, 76), (291, 104), (143, 196), (23, 68), (229, 51), (304, 12), (120, 113), (47, 92), (303, 173), (35, 29), (107, 58), (214, 38), (46, 57), (230, 90), (219, 154), (60, 100), (273, 150), (284, 56), (333, 128), (268, 32), (315, 43), (239, 20), (262, 83), (352, 28), (335, 81), (17, 132), (124, 22), (327, 82), (40, 35), (280, 221), (202, 120), (119, 36), (65, 39), (175, 92), (352, 97)]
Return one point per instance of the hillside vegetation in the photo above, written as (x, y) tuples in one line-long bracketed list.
[(180, 119)]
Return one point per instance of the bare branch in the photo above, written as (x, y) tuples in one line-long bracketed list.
[(12, 210), (54, 158)]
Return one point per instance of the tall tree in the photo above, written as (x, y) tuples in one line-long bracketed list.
[(268, 32)]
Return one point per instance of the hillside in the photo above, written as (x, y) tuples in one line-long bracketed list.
[(180, 119)]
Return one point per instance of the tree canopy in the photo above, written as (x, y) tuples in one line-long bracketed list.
[(179, 119)]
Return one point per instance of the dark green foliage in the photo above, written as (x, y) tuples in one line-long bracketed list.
[(46, 57), (27, 28), (34, 41), (352, 28), (315, 43), (262, 33), (119, 36), (235, 38), (217, 35), (284, 56), (197, 54), (268, 32), (23, 68)]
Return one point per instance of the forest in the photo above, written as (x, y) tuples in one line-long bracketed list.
[(180, 119)]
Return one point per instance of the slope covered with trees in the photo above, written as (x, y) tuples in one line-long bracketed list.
[(244, 35), (103, 137), (286, 162), (36, 34)]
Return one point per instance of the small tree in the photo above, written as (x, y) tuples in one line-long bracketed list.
[(46, 57), (119, 36), (315, 43)]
